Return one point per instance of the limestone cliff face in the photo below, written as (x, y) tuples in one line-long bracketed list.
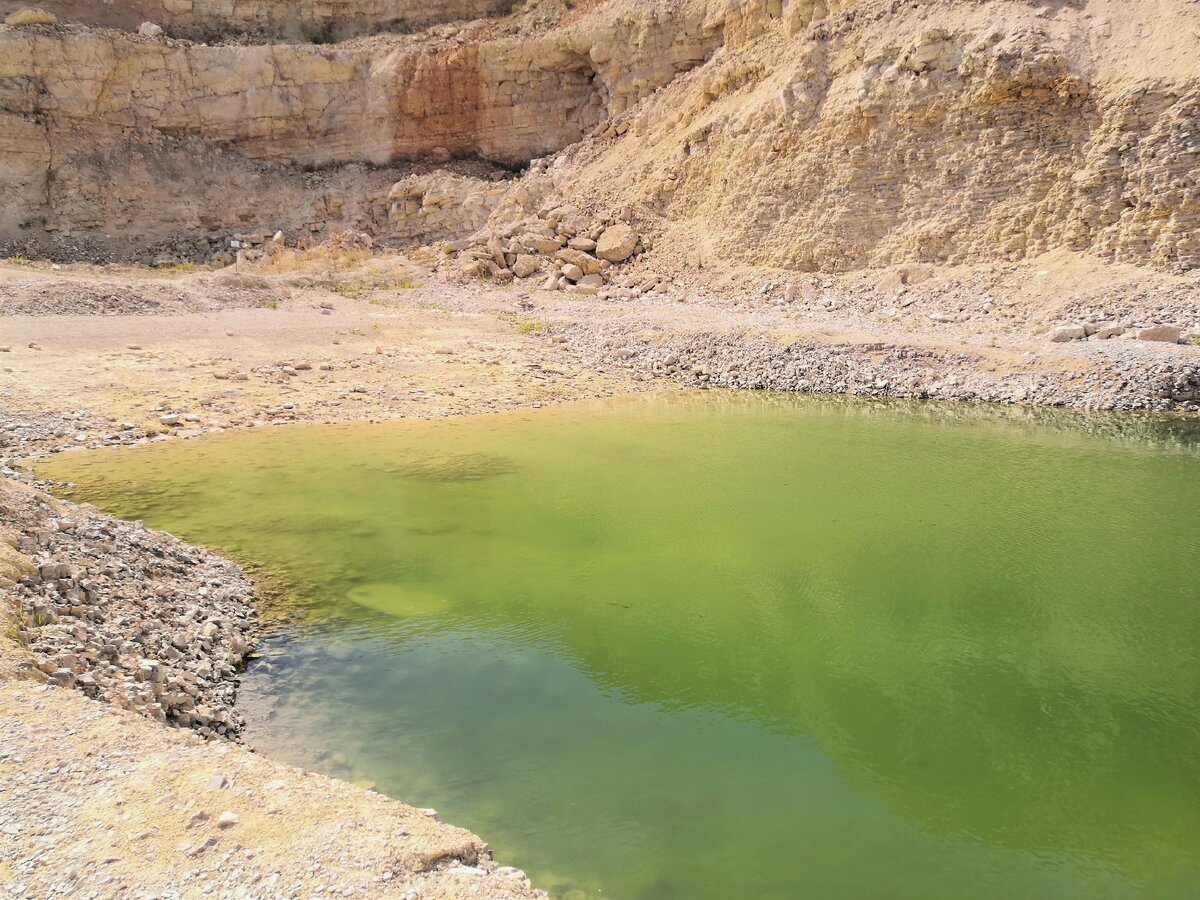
[(280, 20), (72, 99), (508, 100), (812, 134)]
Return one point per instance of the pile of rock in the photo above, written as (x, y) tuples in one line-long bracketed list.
[(1103, 331), (563, 248), (129, 615)]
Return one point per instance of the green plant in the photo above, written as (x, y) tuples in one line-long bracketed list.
[(269, 304), (524, 326), (185, 266), (1195, 341), (351, 290), (404, 283), (358, 331), (17, 258)]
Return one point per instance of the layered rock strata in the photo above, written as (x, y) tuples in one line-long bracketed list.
[(280, 20), (823, 135)]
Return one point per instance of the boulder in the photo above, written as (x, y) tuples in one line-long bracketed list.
[(539, 243), (589, 264), (30, 16), (572, 272), (1111, 330), (150, 30), (1167, 334), (1068, 333), (617, 243), (525, 265)]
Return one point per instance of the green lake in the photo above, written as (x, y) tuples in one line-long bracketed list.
[(731, 645)]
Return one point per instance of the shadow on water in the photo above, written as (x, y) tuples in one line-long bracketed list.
[(734, 645)]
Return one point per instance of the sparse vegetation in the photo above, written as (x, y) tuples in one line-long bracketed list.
[(351, 290), (184, 266), (525, 326)]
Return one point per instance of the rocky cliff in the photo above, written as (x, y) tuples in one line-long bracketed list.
[(320, 21), (813, 135)]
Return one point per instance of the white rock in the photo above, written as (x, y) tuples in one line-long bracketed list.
[(1167, 334), (150, 30), (617, 243), (1068, 333)]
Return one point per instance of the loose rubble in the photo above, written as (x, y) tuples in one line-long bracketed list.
[(127, 615)]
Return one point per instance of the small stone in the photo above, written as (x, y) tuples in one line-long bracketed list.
[(227, 819), (572, 272), (216, 782)]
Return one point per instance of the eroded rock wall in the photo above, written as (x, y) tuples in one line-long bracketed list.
[(279, 20), (73, 100), (834, 136), (813, 135)]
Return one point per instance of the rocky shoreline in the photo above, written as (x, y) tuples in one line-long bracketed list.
[(127, 615), (1143, 382)]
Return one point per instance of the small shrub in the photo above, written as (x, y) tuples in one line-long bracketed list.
[(186, 266), (351, 290)]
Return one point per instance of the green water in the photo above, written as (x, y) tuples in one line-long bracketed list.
[(733, 646)]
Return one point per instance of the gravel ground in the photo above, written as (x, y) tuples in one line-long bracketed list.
[(97, 802)]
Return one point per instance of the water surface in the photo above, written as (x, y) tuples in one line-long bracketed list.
[(732, 645)]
